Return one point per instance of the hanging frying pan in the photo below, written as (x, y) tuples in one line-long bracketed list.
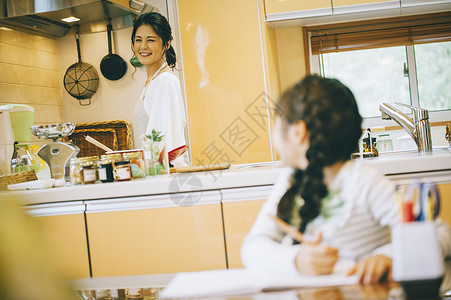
[(81, 79), (112, 66)]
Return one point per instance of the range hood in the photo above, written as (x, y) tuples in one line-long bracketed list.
[(44, 17)]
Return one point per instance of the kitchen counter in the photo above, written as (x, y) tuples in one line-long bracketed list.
[(237, 176), (401, 167)]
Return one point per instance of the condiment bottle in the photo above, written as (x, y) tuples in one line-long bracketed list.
[(136, 163), (122, 170), (75, 174), (370, 149), (106, 173), (384, 143), (88, 170)]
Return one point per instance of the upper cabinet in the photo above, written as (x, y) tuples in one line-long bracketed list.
[(289, 9), (353, 6), (321, 11)]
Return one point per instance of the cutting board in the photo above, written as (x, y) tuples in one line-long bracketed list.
[(200, 168)]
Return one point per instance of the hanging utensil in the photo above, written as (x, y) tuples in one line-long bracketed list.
[(112, 66), (97, 143), (81, 80)]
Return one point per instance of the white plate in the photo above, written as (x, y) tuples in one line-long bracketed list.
[(31, 185)]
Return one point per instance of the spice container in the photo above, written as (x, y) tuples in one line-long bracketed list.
[(106, 163), (384, 143), (122, 170), (88, 170), (75, 175), (136, 163)]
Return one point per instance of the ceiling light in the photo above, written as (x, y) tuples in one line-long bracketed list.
[(70, 19)]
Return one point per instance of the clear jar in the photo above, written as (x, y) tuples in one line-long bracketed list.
[(122, 170), (384, 143), (75, 174), (136, 163), (88, 170)]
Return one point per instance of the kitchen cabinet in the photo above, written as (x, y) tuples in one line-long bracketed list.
[(309, 11), (64, 235), (240, 208), (151, 234), (445, 196), (354, 6), (411, 3), (289, 9)]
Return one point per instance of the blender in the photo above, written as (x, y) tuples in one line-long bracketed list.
[(15, 123), (57, 154)]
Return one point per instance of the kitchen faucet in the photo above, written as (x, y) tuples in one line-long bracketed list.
[(418, 128)]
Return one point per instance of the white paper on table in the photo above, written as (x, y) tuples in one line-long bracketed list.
[(243, 281)]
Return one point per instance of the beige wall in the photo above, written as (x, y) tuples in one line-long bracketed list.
[(29, 74)]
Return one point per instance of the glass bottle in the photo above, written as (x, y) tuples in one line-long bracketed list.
[(384, 143), (24, 159), (136, 163), (106, 163), (88, 170)]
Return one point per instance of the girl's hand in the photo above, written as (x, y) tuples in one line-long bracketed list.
[(316, 259), (373, 269)]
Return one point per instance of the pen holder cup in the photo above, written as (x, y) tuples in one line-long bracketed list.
[(418, 263)]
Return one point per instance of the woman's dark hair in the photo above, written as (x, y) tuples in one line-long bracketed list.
[(161, 27), (332, 118)]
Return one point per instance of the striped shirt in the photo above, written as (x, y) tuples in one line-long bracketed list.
[(355, 218)]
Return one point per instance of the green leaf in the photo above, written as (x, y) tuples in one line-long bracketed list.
[(156, 136)]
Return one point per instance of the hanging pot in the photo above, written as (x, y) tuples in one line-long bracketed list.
[(112, 66), (81, 79)]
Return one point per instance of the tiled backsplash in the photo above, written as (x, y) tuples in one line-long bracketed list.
[(29, 74)]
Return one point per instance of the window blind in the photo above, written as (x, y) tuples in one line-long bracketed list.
[(380, 33)]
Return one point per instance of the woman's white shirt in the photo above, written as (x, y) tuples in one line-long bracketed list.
[(356, 219), (161, 107)]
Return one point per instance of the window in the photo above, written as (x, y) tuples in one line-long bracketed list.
[(406, 60), (433, 66)]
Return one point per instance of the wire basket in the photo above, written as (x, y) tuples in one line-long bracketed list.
[(81, 81), (106, 136), (122, 127)]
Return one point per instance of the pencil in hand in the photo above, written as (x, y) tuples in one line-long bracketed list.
[(293, 232)]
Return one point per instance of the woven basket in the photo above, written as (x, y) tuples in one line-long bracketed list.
[(24, 176), (123, 131), (106, 136)]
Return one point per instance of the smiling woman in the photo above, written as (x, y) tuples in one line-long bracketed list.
[(160, 106)]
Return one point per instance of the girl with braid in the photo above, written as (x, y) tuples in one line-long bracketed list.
[(343, 208)]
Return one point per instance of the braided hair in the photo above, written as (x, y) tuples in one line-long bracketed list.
[(162, 28), (332, 119)]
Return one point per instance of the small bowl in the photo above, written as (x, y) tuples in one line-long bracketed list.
[(53, 131)]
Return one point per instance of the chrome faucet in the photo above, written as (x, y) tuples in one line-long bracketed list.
[(418, 128)]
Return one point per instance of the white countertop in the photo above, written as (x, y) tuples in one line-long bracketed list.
[(236, 176), (407, 166)]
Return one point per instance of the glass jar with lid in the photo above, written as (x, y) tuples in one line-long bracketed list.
[(384, 143), (106, 165), (136, 163), (75, 175), (88, 170), (122, 170)]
